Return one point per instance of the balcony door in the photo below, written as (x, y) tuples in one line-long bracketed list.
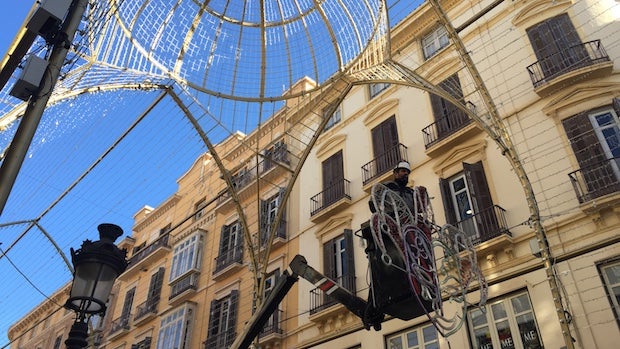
[(385, 145), (607, 128), (557, 45), (333, 179)]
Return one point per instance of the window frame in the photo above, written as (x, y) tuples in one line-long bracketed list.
[(419, 330), (510, 317), (377, 88), (179, 322), (614, 300), (434, 38), (187, 256)]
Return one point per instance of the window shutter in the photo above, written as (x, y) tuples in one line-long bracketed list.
[(156, 283), (349, 269), (128, 303), (264, 222), (282, 206), (616, 103), (329, 266), (481, 198), (224, 238), (333, 179), (385, 144), (448, 204), (214, 319), (232, 317), (583, 140)]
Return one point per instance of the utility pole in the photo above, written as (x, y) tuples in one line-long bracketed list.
[(36, 105)]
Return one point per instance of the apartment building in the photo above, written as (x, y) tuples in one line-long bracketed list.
[(551, 69)]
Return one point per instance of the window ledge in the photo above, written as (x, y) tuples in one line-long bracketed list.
[(596, 205), (229, 269)]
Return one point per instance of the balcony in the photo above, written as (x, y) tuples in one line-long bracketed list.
[(485, 225), (320, 301), (227, 260), (575, 63), (146, 256), (184, 285), (143, 344), (146, 310), (220, 340), (280, 234), (446, 126), (383, 163), (597, 180), (333, 197), (119, 326), (272, 331)]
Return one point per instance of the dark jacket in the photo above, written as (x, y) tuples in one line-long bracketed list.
[(406, 193)]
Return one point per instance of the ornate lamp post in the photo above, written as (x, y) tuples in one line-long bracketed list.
[(96, 267)]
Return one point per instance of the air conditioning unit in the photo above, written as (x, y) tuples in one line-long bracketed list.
[(48, 16), (30, 78)]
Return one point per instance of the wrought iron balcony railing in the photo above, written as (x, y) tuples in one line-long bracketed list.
[(120, 324), (484, 225), (147, 307), (228, 257), (221, 340), (339, 190), (567, 60), (596, 180), (446, 126), (320, 301), (143, 344), (273, 325), (383, 163), (186, 282), (146, 251)]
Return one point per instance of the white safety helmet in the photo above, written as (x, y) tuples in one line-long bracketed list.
[(403, 164)]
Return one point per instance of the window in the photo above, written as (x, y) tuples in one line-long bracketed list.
[(222, 322), (375, 89), (187, 256), (611, 279), (273, 323), (468, 205), (269, 209), (333, 179), (199, 209), (508, 323), (557, 46), (423, 337), (58, 342), (153, 295), (333, 119), (595, 140), (231, 246), (274, 154), (434, 41), (338, 260), (122, 323), (448, 117), (385, 146), (175, 328)]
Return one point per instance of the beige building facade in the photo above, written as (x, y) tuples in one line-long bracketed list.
[(551, 68)]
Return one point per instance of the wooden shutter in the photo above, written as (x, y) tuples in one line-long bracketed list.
[(128, 303), (265, 222), (232, 317), (333, 179), (448, 203), (281, 230), (155, 285), (349, 270), (616, 104), (480, 195), (583, 140), (329, 265), (214, 320), (385, 144)]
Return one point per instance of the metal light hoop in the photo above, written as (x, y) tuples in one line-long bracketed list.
[(85, 303)]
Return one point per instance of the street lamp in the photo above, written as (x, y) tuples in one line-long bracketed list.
[(96, 267)]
